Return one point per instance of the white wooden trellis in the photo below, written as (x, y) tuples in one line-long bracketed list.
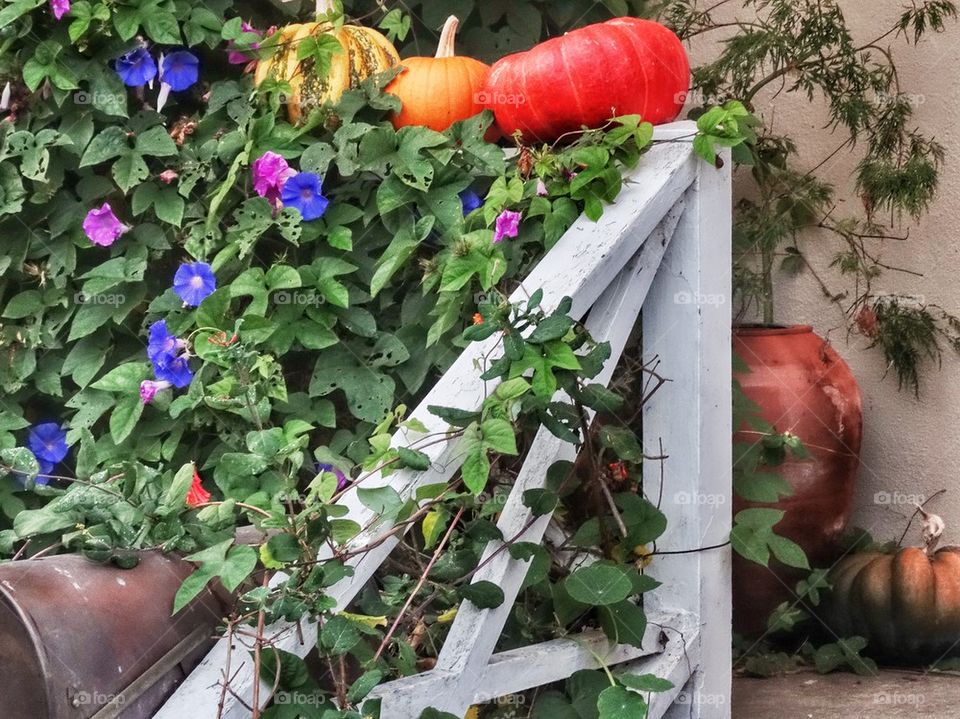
[(663, 246)]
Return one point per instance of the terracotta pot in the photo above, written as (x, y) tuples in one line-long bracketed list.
[(79, 639), (802, 386)]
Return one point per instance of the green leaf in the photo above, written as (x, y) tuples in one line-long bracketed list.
[(176, 494), (413, 459), (24, 304), (645, 682), (125, 416), (540, 501), (191, 587), (19, 460), (111, 142), (476, 470), (381, 500), (156, 142), (483, 594), (623, 442), (241, 561), (599, 584), (282, 277), (499, 436), (339, 635), (162, 27), (129, 171), (553, 327), (125, 378), (283, 548), (292, 670), (620, 703), (434, 524), (364, 685)]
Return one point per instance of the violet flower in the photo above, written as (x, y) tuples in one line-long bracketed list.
[(149, 389), (59, 8), (270, 173), (507, 225), (102, 226)]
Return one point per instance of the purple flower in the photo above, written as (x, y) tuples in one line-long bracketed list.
[(194, 282), (102, 226), (48, 442), (149, 389), (136, 68), (470, 200), (303, 193), (541, 188), (180, 70), (59, 8), (236, 57), (342, 481), (508, 225), (270, 173)]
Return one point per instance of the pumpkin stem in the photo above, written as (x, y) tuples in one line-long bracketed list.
[(931, 530), (448, 37)]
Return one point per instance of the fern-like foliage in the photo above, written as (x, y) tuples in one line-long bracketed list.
[(806, 47)]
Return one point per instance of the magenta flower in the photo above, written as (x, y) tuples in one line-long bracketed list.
[(508, 225), (236, 57), (270, 173), (59, 8), (149, 389), (102, 226)]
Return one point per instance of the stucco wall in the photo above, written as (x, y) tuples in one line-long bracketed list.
[(911, 447)]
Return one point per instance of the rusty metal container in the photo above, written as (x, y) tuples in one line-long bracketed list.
[(81, 640)]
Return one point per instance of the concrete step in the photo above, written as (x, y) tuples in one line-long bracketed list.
[(807, 695)]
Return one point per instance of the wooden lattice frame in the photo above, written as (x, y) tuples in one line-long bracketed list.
[(664, 246)]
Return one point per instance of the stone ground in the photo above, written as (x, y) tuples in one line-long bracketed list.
[(891, 695)]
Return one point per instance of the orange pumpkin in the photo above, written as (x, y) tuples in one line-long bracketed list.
[(906, 604), (439, 91)]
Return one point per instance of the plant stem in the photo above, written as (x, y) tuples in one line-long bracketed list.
[(767, 273), (423, 578)]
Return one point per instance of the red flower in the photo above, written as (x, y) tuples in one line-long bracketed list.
[(197, 494), (619, 471), (478, 319)]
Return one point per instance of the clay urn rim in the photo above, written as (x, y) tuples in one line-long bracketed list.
[(758, 330)]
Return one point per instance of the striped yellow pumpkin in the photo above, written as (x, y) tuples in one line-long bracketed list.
[(365, 52)]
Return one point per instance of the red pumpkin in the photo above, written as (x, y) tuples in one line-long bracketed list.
[(624, 66)]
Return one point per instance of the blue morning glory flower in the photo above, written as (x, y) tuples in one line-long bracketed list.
[(164, 351), (175, 370), (180, 70), (161, 343), (194, 282), (136, 68), (303, 192), (48, 442), (471, 201)]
